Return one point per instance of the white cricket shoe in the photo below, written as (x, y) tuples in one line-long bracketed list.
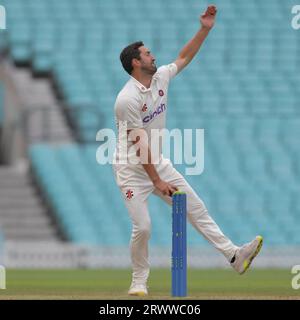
[(245, 254), (138, 289)]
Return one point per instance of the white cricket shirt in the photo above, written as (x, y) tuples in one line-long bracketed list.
[(141, 107)]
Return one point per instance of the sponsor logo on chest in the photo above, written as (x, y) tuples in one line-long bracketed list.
[(149, 113), (160, 109)]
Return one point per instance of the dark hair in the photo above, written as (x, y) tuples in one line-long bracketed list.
[(130, 52)]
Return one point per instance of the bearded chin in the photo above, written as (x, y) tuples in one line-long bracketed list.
[(149, 70)]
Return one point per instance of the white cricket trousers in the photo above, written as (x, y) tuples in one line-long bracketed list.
[(136, 203)]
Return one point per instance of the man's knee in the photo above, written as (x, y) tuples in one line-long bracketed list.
[(143, 229), (196, 208)]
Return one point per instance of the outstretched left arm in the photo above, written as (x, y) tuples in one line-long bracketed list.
[(192, 47)]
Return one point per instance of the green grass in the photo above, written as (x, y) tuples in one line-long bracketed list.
[(113, 284)]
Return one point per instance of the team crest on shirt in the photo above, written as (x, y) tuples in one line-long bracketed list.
[(145, 108), (161, 93), (129, 194)]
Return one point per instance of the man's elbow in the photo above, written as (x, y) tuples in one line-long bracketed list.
[(181, 62)]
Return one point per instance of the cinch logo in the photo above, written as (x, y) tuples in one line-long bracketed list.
[(161, 108), (2, 18)]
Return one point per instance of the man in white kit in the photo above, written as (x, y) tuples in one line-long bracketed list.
[(141, 105)]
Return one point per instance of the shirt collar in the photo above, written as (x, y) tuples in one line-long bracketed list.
[(141, 87)]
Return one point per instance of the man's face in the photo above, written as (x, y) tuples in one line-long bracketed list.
[(147, 61)]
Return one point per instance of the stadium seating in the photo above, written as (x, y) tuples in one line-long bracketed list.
[(242, 185), (242, 89), (247, 67)]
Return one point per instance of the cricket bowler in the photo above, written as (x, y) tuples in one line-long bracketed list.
[(142, 105)]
